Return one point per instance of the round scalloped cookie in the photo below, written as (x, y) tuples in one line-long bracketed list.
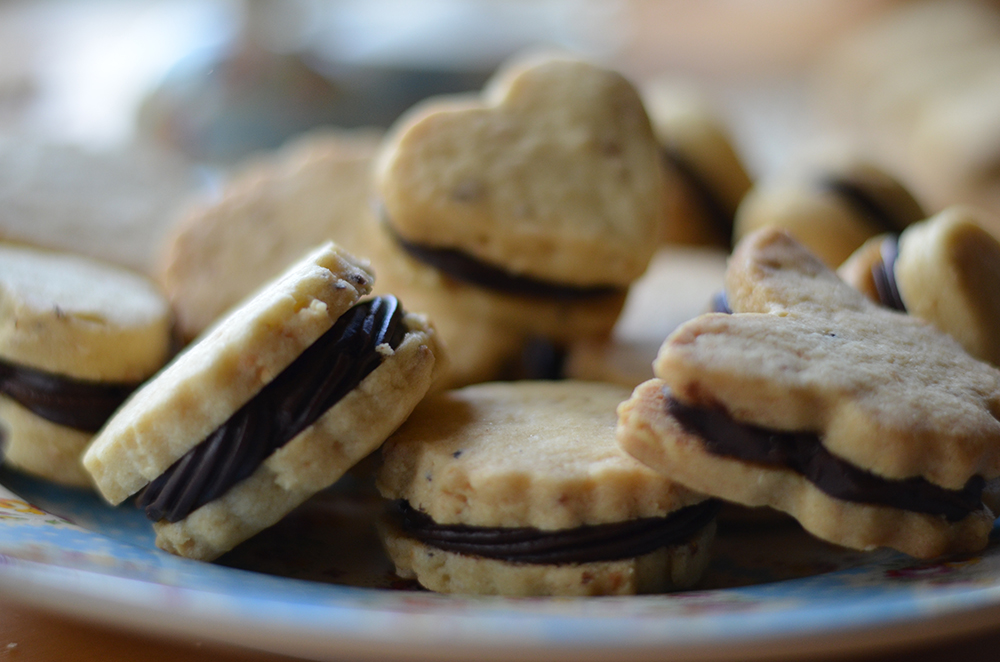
[(76, 335), (538, 457)]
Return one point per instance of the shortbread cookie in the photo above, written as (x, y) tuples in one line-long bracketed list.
[(112, 205), (545, 189), (518, 488), (271, 405), (76, 337), (706, 178), (268, 216), (834, 212), (869, 426), (945, 270)]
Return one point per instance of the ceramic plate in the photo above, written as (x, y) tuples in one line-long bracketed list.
[(317, 587)]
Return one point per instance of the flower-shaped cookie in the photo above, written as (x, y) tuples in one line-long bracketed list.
[(869, 426)]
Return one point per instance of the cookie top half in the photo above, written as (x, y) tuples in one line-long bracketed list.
[(215, 376), (516, 454), (80, 318), (552, 173), (806, 352)]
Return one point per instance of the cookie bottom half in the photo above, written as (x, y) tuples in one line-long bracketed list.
[(42, 448), (653, 437), (666, 569)]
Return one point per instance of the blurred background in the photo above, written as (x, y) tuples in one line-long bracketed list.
[(122, 96), (217, 79)]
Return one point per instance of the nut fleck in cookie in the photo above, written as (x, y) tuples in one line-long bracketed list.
[(869, 426), (518, 488), (945, 270), (835, 212), (267, 217), (271, 405), (76, 337), (705, 174), (546, 189)]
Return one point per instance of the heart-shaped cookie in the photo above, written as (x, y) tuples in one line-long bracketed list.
[(551, 176)]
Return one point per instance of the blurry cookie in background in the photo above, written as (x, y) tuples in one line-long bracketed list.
[(918, 89), (113, 205), (831, 208), (77, 336), (706, 177), (267, 215), (945, 270)]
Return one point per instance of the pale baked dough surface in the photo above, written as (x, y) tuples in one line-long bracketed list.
[(74, 316), (42, 448), (948, 273), (540, 454), (552, 173), (217, 374)]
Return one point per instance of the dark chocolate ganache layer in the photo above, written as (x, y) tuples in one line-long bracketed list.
[(884, 275), (865, 204), (80, 404), (315, 381), (465, 268), (584, 544), (720, 219), (803, 453)]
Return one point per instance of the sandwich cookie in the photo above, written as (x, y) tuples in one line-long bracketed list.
[(706, 177), (272, 404), (518, 488), (77, 336), (541, 199), (945, 270), (834, 213), (870, 427)]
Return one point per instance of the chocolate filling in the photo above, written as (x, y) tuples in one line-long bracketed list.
[(804, 453), (468, 269), (584, 544), (719, 217), (315, 381), (865, 204), (884, 275), (80, 404)]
